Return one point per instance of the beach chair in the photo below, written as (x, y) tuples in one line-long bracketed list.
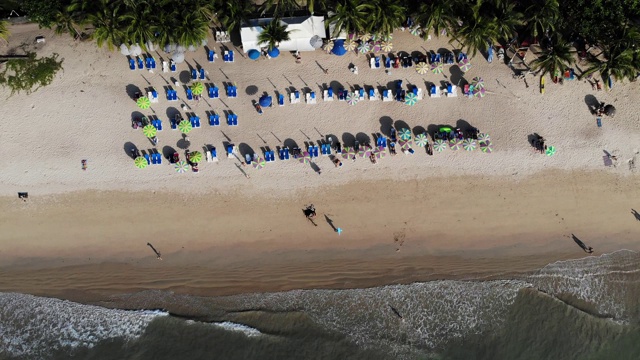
[(202, 75), (387, 62), (434, 91), (165, 67), (325, 149), (230, 151), (174, 95), (281, 154), (214, 154), (158, 158), (292, 98), (230, 91), (269, 156), (208, 156), (311, 97), (377, 58), (225, 56), (415, 90), (153, 158), (341, 95), (153, 96), (316, 150), (194, 74), (148, 158), (232, 120), (280, 100), (452, 90), (372, 62), (386, 95), (172, 66), (328, 94), (400, 95), (214, 120), (215, 92), (248, 158), (189, 94), (461, 56), (361, 94), (153, 63), (147, 62), (140, 63), (169, 95), (195, 121), (132, 64), (158, 125), (211, 56)]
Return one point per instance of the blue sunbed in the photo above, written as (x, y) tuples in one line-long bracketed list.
[(189, 94), (202, 77), (281, 154), (225, 57), (174, 124), (387, 62), (210, 55), (140, 63), (214, 120), (267, 156), (147, 62), (214, 153), (146, 156), (432, 89), (194, 74), (281, 100), (173, 66), (415, 90), (230, 55), (361, 93), (461, 56), (195, 121), (330, 92), (377, 62), (132, 64), (371, 93), (230, 149), (315, 151)]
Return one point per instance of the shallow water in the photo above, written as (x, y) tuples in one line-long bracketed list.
[(577, 309)]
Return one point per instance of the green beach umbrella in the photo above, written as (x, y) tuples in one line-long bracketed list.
[(551, 150), (405, 134), (455, 144), (437, 68), (259, 164), (415, 31), (410, 99), (143, 102), (421, 140), (364, 47), (185, 126), (141, 162), (197, 88), (464, 65), (439, 145), (149, 131), (195, 157), (486, 147), (352, 98), (181, 166), (483, 137), (469, 144)]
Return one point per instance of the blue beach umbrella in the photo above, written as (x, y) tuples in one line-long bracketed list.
[(273, 52), (265, 101), (253, 54), (338, 48)]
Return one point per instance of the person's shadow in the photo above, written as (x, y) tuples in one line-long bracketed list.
[(330, 222), (635, 213), (582, 245)]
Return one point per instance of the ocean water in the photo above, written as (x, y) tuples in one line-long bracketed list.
[(579, 309)]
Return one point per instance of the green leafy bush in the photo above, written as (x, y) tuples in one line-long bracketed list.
[(30, 73)]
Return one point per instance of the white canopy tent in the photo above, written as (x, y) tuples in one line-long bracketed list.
[(302, 30)]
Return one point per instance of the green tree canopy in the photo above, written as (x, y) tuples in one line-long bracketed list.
[(274, 33), (29, 74)]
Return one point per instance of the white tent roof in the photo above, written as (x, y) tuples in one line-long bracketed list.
[(302, 30)]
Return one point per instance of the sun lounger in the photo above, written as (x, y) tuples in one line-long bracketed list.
[(325, 149), (311, 97), (341, 95), (415, 90), (153, 63), (189, 94), (208, 156), (381, 141), (280, 100), (140, 63), (195, 121), (361, 94), (153, 158), (434, 91), (400, 94), (173, 66), (230, 91), (174, 95), (214, 154), (248, 158), (328, 94), (211, 56), (202, 75), (386, 95), (313, 151), (194, 74), (308, 98), (377, 58), (225, 56), (132, 64), (230, 150), (387, 62), (461, 56), (215, 92), (231, 56), (232, 120), (452, 90), (165, 67), (146, 156), (420, 94), (147, 62), (214, 120), (269, 156), (157, 157), (158, 124), (372, 63), (281, 154)]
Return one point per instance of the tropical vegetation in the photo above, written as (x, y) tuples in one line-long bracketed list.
[(273, 33), (29, 73)]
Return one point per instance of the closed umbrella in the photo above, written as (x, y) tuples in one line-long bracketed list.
[(486, 147), (350, 45), (265, 101), (464, 65), (259, 164), (352, 98), (135, 50), (315, 42), (386, 46), (149, 131), (181, 166), (197, 88), (455, 144), (421, 140), (422, 68), (410, 99), (469, 144), (124, 50), (364, 47), (437, 68), (195, 157), (143, 102), (440, 145), (253, 54), (141, 162), (405, 134), (274, 52), (415, 31), (551, 150), (185, 126)]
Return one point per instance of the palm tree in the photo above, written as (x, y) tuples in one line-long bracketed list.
[(191, 29), (543, 15), (436, 16), (4, 30), (274, 33), (620, 56), (555, 56), (232, 13), (141, 25), (280, 7), (477, 29), (506, 19), (109, 23), (384, 15), (350, 16)]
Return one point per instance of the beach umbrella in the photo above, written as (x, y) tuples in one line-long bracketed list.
[(273, 52), (364, 47), (364, 152), (181, 166), (143, 102), (483, 137), (181, 48), (350, 45), (422, 68), (328, 46), (464, 65), (315, 42), (551, 150), (380, 152), (486, 147), (259, 164), (348, 152), (185, 126), (386, 46), (437, 68), (387, 37), (195, 157), (352, 98), (253, 54), (197, 88), (365, 37), (610, 110), (421, 140), (192, 48), (338, 48), (265, 101), (135, 50), (478, 82), (178, 57), (375, 46), (455, 144), (124, 50), (150, 46), (469, 144), (410, 99), (170, 48), (405, 144), (439, 145), (306, 158), (376, 37), (479, 92), (405, 134), (141, 162), (415, 31), (149, 131)]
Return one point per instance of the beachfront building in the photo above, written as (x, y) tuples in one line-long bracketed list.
[(306, 32)]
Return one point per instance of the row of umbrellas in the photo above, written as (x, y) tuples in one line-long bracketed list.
[(438, 67), (340, 47), (184, 126), (144, 102)]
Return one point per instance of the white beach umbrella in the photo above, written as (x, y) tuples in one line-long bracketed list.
[(178, 57), (170, 48), (135, 50), (151, 46), (124, 50), (181, 48), (204, 42), (192, 48)]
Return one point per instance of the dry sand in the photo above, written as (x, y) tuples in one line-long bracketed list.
[(408, 218)]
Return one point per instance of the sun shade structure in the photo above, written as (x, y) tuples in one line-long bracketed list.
[(197, 88), (149, 131), (410, 99), (405, 134), (465, 65), (348, 152), (185, 126), (195, 157), (328, 46), (352, 98), (455, 144), (265, 101), (338, 48), (253, 54), (437, 68), (364, 47), (350, 45), (141, 162), (483, 137), (306, 158), (440, 145), (274, 53), (422, 68), (421, 140), (143, 102), (181, 166), (302, 30)]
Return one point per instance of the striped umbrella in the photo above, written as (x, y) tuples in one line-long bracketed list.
[(483, 137), (479, 92), (141, 162), (386, 46), (376, 37), (455, 144), (328, 46), (486, 147), (387, 37), (464, 65), (439, 145), (415, 31), (551, 150), (469, 144), (352, 98), (143, 102), (421, 140), (380, 152), (410, 99), (375, 46), (365, 151), (149, 131), (350, 45), (364, 47), (259, 164), (405, 134), (181, 166), (422, 68), (306, 158), (405, 144), (197, 88), (185, 126), (195, 157), (348, 153), (365, 37), (478, 82), (437, 68)]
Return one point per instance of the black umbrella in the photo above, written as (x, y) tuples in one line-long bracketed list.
[(251, 90), (610, 110)]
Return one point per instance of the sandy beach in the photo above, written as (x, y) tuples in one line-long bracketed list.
[(456, 214)]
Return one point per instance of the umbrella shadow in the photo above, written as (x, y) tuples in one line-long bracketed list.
[(290, 143), (168, 151), (132, 91), (456, 75), (386, 123), (336, 85), (245, 150), (419, 130), (348, 139), (363, 138), (184, 77), (130, 149), (251, 90), (464, 126), (183, 144), (400, 124), (330, 222)]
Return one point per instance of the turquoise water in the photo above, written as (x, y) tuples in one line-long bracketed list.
[(579, 309)]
